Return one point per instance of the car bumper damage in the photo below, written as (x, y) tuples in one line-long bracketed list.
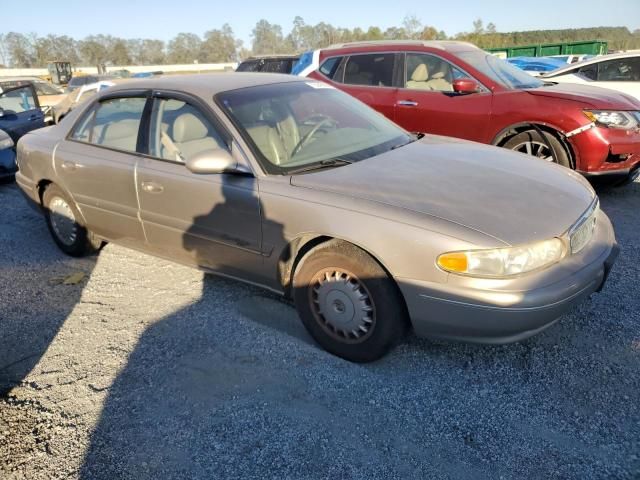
[(502, 311)]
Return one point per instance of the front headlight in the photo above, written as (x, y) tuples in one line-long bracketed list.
[(613, 119), (503, 262)]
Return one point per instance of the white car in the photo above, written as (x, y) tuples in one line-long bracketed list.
[(618, 71)]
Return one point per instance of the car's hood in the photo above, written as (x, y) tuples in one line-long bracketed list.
[(595, 97), (510, 196)]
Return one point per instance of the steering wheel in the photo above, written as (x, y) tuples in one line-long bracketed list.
[(324, 120)]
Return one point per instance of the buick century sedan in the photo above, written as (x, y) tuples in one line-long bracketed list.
[(292, 185)]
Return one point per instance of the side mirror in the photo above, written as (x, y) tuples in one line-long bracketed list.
[(465, 86), (212, 161)]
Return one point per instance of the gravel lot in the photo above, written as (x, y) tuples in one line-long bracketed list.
[(148, 370)]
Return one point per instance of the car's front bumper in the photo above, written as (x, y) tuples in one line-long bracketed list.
[(8, 166), (607, 152), (509, 312)]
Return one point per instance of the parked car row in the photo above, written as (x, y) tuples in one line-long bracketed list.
[(291, 184)]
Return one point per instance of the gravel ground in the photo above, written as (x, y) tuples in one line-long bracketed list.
[(148, 370)]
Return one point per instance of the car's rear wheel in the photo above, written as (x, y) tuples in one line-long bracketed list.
[(65, 224), (348, 303), (532, 143)]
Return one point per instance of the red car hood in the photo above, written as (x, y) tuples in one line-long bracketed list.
[(595, 97)]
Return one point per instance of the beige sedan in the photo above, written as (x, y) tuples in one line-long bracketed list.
[(292, 185)]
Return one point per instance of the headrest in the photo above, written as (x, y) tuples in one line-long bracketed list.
[(437, 75), (420, 74), (187, 127)]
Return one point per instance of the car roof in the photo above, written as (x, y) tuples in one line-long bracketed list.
[(590, 61), (446, 45), (206, 84), (275, 56)]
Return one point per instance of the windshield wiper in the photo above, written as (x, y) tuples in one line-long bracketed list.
[(328, 163), (404, 143)]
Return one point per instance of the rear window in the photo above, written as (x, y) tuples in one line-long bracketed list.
[(248, 66), (277, 66)]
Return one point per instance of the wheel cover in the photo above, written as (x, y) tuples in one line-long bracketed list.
[(63, 221), (342, 305), (536, 149)]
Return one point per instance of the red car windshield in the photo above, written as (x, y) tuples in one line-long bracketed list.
[(500, 71)]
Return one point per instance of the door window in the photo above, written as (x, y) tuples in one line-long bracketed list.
[(371, 69), (18, 100), (180, 131), (428, 72), (620, 70), (588, 71), (113, 123)]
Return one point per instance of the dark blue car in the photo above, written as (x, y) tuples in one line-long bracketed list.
[(19, 114)]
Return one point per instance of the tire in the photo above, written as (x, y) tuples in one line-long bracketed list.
[(538, 146), (65, 224), (339, 289)]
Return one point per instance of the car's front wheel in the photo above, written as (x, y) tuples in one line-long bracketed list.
[(348, 303), (532, 143), (65, 224)]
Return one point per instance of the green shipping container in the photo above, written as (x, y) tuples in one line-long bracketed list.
[(595, 47)]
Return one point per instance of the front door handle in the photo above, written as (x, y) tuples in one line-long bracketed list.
[(152, 187), (407, 103), (69, 166)]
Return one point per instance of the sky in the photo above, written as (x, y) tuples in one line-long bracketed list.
[(163, 19)]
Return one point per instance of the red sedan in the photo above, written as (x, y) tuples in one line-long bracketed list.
[(457, 89)]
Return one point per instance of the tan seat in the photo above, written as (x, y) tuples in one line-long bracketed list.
[(354, 76), (419, 78), (121, 134), (191, 136), (438, 82), (269, 142)]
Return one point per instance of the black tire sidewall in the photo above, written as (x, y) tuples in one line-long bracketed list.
[(82, 245), (560, 155), (391, 317)]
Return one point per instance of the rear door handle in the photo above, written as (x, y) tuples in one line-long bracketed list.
[(407, 103), (152, 187), (66, 165)]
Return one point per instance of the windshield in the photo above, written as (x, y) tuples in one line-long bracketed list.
[(499, 70), (302, 124)]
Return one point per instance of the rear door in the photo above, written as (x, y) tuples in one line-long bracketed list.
[(96, 164), (370, 77), (20, 111), (207, 220), (428, 104)]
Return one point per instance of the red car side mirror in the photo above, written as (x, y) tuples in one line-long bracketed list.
[(465, 86)]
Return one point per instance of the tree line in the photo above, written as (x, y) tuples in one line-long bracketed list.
[(221, 45)]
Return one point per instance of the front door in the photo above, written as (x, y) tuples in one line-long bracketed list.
[(428, 104), (96, 164), (19, 111), (206, 220)]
